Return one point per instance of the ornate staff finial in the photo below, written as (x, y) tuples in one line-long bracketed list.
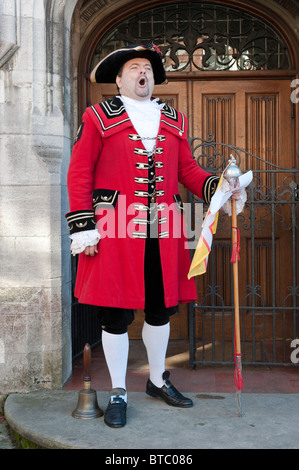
[(232, 172)]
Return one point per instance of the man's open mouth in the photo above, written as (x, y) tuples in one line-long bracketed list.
[(142, 81)]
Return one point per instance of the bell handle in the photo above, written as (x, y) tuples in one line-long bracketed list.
[(87, 362)]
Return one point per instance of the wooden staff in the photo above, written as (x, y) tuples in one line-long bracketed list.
[(238, 355), (232, 173), (235, 259)]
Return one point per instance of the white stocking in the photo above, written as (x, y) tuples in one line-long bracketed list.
[(155, 339), (116, 350)]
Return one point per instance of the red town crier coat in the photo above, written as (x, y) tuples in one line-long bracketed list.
[(108, 185)]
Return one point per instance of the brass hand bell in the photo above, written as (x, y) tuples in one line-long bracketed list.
[(87, 405)]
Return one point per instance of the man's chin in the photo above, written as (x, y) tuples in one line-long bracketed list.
[(143, 93)]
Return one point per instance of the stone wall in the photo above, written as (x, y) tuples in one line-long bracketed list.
[(35, 342)]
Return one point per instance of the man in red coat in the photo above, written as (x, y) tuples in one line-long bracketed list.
[(126, 218)]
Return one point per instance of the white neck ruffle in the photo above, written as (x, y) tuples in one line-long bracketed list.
[(145, 116)]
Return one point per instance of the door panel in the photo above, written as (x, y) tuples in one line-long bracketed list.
[(248, 114)]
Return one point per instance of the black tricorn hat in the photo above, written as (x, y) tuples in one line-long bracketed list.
[(107, 69)]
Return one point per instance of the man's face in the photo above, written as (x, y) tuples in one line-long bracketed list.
[(137, 79)]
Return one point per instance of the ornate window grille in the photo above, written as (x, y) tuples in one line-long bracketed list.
[(198, 36)]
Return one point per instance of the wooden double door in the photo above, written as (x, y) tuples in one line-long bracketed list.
[(256, 115)]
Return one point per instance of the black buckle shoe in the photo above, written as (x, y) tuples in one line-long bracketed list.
[(115, 415), (168, 393)]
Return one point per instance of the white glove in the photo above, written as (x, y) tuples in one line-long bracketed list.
[(240, 202)]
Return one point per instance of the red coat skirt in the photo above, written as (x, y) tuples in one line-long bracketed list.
[(109, 185)]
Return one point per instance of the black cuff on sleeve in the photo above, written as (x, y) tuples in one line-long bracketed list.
[(104, 198), (79, 221), (209, 187)]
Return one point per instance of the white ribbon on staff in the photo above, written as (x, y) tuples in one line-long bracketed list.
[(221, 198)]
